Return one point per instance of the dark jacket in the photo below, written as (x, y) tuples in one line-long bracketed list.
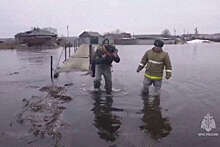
[(106, 55)]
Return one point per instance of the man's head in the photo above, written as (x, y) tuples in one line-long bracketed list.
[(105, 42), (158, 43), (111, 48)]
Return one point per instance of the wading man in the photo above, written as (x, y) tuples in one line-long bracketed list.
[(104, 56), (156, 60)]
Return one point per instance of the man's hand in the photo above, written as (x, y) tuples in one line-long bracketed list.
[(114, 54), (139, 68), (104, 55), (168, 75)]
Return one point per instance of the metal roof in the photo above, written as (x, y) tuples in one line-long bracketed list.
[(94, 34), (36, 32)]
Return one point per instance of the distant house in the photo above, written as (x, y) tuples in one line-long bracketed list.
[(115, 36), (149, 39), (66, 41), (36, 36), (211, 37), (90, 37), (126, 35), (216, 37)]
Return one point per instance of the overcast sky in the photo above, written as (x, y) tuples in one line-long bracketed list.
[(134, 16)]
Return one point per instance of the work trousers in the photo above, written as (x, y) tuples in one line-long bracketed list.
[(104, 70), (148, 82)]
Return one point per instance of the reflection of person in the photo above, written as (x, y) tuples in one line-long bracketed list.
[(107, 123), (104, 56), (156, 60), (154, 123)]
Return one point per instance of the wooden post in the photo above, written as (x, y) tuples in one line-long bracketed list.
[(69, 52), (90, 54), (65, 53), (51, 68), (74, 45)]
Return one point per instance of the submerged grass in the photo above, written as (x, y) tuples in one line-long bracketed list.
[(12, 46)]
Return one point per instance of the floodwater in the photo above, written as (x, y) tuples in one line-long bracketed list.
[(35, 113)]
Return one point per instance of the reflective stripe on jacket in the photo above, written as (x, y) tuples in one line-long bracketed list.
[(153, 77)]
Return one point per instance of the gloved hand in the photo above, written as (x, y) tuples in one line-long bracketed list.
[(168, 75), (139, 68)]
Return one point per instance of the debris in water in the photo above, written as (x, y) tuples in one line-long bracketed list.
[(34, 87), (14, 73), (52, 90), (68, 84), (56, 75), (63, 98), (43, 114)]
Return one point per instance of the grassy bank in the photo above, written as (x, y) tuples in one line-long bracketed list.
[(12, 46)]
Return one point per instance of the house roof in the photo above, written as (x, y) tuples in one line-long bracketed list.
[(89, 34), (36, 32)]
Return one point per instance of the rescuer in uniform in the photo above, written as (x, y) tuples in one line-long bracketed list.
[(156, 61)]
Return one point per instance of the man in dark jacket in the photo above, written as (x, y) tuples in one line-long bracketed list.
[(156, 60), (104, 56)]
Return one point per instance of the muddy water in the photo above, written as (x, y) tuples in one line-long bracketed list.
[(33, 112)]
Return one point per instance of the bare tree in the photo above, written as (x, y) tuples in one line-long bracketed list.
[(196, 31), (166, 32)]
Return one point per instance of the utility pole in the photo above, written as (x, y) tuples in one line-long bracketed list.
[(174, 31), (67, 28), (196, 31), (68, 39)]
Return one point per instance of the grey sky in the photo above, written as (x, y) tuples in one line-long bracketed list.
[(134, 16)]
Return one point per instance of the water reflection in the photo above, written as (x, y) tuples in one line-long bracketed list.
[(36, 56), (195, 52), (154, 122), (105, 121)]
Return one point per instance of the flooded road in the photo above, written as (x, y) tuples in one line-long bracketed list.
[(35, 113)]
